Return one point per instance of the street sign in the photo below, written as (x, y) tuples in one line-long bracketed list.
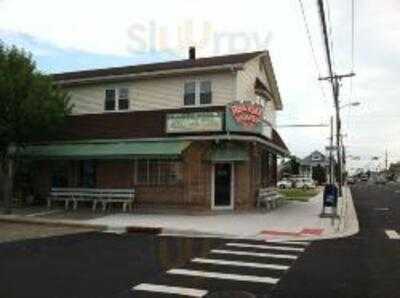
[(331, 148)]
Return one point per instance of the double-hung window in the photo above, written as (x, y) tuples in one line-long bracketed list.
[(190, 94), (123, 99), (205, 93), (109, 103), (197, 93), (116, 99)]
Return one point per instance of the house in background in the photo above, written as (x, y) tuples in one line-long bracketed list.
[(198, 133), (309, 164)]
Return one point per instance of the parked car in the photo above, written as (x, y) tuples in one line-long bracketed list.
[(364, 178), (305, 183), (285, 183), (351, 180)]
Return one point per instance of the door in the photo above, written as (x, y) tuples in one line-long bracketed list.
[(223, 185)]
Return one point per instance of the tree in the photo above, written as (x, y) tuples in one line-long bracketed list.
[(294, 165), (319, 174), (32, 107)]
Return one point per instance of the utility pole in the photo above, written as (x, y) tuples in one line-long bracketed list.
[(386, 160), (335, 81), (331, 154)]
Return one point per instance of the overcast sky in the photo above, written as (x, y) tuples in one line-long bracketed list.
[(72, 35)]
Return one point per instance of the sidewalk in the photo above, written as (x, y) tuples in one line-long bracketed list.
[(292, 221)]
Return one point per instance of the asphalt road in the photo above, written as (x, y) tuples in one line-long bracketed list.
[(366, 265), (107, 265)]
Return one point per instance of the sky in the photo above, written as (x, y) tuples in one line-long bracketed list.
[(72, 35)]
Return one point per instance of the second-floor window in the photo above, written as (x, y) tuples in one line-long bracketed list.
[(123, 99), (197, 93), (190, 94), (205, 93), (109, 104), (116, 99)]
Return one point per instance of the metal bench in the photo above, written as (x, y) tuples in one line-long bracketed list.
[(66, 195), (126, 197), (269, 198), (93, 195)]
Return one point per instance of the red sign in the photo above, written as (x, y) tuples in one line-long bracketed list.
[(247, 113)]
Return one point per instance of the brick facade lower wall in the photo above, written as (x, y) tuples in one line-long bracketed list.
[(193, 192)]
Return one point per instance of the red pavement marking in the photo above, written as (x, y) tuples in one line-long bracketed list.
[(315, 232), (280, 233), (305, 231)]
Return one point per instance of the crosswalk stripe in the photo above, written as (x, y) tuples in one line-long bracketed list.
[(230, 276), (392, 234), (240, 264), (170, 290), (253, 254), (289, 242), (271, 247)]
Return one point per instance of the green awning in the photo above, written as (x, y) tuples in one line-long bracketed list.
[(120, 150), (229, 153)]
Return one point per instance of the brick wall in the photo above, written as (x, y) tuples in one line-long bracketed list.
[(194, 192)]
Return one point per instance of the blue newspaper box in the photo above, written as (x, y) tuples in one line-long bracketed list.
[(330, 195)]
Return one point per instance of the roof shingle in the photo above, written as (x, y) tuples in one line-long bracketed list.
[(170, 65)]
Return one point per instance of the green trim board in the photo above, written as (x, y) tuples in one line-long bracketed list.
[(116, 150), (229, 152)]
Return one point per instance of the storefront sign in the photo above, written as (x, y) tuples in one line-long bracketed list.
[(247, 114), (192, 122)]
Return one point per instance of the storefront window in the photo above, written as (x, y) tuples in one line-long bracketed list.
[(158, 172), (142, 172)]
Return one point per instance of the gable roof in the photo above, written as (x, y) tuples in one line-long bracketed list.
[(153, 67), (308, 161)]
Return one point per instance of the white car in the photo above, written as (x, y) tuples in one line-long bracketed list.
[(285, 183), (305, 183)]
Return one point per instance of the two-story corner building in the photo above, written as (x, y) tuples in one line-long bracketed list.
[(198, 133)]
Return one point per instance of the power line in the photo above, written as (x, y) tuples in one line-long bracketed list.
[(351, 94), (352, 35), (325, 36), (330, 31), (316, 64)]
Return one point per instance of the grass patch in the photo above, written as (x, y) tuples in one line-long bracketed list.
[(298, 194)]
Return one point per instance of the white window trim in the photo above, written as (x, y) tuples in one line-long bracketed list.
[(197, 91), (117, 110)]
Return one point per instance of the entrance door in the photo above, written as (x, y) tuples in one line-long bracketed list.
[(223, 185)]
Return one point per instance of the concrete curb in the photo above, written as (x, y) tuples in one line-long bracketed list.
[(49, 222), (348, 226)]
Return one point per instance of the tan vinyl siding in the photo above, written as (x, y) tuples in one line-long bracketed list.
[(152, 94), (245, 86)]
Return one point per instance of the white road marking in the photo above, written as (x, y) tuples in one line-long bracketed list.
[(217, 275), (289, 242), (284, 248), (253, 254), (240, 264), (382, 209), (392, 234), (170, 290), (44, 213)]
